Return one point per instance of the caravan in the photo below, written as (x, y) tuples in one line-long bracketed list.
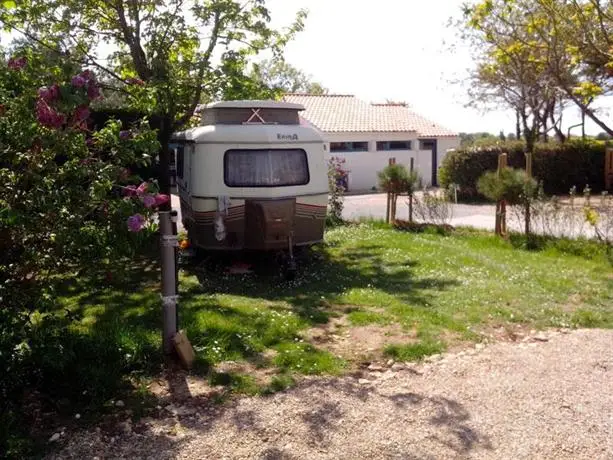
[(252, 176)]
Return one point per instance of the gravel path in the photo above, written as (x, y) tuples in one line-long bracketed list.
[(547, 398)]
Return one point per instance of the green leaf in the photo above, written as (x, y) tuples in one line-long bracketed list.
[(9, 4)]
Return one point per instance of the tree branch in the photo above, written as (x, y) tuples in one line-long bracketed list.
[(204, 64)]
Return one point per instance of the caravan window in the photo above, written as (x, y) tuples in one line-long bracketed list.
[(266, 168), (180, 160)]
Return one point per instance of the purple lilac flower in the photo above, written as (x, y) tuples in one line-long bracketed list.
[(17, 63), (129, 190), (78, 81), (48, 117), (81, 113), (148, 201), (136, 223)]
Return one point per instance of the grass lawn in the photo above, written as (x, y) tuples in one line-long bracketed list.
[(418, 293)]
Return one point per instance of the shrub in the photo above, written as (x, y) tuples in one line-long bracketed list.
[(67, 205), (395, 179), (557, 166), (337, 184), (512, 185), (434, 208)]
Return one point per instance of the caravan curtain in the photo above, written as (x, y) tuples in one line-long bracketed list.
[(266, 168)]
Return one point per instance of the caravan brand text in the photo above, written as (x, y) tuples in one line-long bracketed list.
[(287, 137)]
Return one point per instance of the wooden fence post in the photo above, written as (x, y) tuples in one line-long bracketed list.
[(528, 210), (501, 206), (608, 169), (388, 212)]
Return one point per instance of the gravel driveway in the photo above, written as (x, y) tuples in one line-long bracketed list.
[(549, 397)]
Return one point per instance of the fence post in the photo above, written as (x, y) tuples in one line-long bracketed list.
[(390, 161), (528, 210), (608, 169), (501, 208)]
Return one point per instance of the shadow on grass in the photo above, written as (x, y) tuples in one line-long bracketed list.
[(322, 279)]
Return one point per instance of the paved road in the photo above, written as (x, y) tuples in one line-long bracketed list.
[(373, 205)]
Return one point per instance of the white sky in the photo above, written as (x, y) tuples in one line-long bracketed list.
[(394, 49)]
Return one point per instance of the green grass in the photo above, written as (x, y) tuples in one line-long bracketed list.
[(439, 288), (414, 351)]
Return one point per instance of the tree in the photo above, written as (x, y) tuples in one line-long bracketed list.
[(509, 73), (68, 205), (281, 76), (165, 56), (536, 55), (395, 180)]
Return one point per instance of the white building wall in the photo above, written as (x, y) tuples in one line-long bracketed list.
[(444, 144), (364, 166)]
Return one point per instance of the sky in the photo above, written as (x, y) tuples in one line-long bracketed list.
[(401, 50)]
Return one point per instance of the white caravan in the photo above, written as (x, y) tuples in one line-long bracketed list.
[(252, 176)]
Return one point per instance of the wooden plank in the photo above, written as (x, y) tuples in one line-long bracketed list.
[(184, 349)]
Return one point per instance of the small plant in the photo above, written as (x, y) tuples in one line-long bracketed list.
[(396, 180), (601, 221), (337, 184), (434, 208), (513, 187)]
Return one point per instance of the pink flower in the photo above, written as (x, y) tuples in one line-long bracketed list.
[(16, 63), (148, 201), (49, 117), (81, 113), (136, 223), (130, 190), (161, 199), (142, 188), (93, 92), (49, 94), (78, 81)]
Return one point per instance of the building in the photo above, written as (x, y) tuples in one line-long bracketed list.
[(367, 135)]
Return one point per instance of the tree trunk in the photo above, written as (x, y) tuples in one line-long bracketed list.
[(517, 125), (583, 124), (559, 134), (164, 135)]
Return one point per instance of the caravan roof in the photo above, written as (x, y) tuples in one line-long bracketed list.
[(252, 104)]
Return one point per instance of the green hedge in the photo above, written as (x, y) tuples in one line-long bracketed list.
[(558, 166)]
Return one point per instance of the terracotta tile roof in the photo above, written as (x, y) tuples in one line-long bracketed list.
[(347, 113)]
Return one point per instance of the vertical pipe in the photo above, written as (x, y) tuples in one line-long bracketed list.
[(169, 293), (174, 216)]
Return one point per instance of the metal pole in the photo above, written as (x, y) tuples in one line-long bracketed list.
[(174, 217), (169, 282)]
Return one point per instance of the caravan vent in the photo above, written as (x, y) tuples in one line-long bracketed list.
[(244, 115)]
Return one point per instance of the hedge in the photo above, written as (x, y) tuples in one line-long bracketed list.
[(558, 166)]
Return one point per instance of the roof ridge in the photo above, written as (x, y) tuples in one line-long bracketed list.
[(319, 95)]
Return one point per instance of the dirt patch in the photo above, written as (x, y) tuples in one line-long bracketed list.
[(180, 386), (357, 343)]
